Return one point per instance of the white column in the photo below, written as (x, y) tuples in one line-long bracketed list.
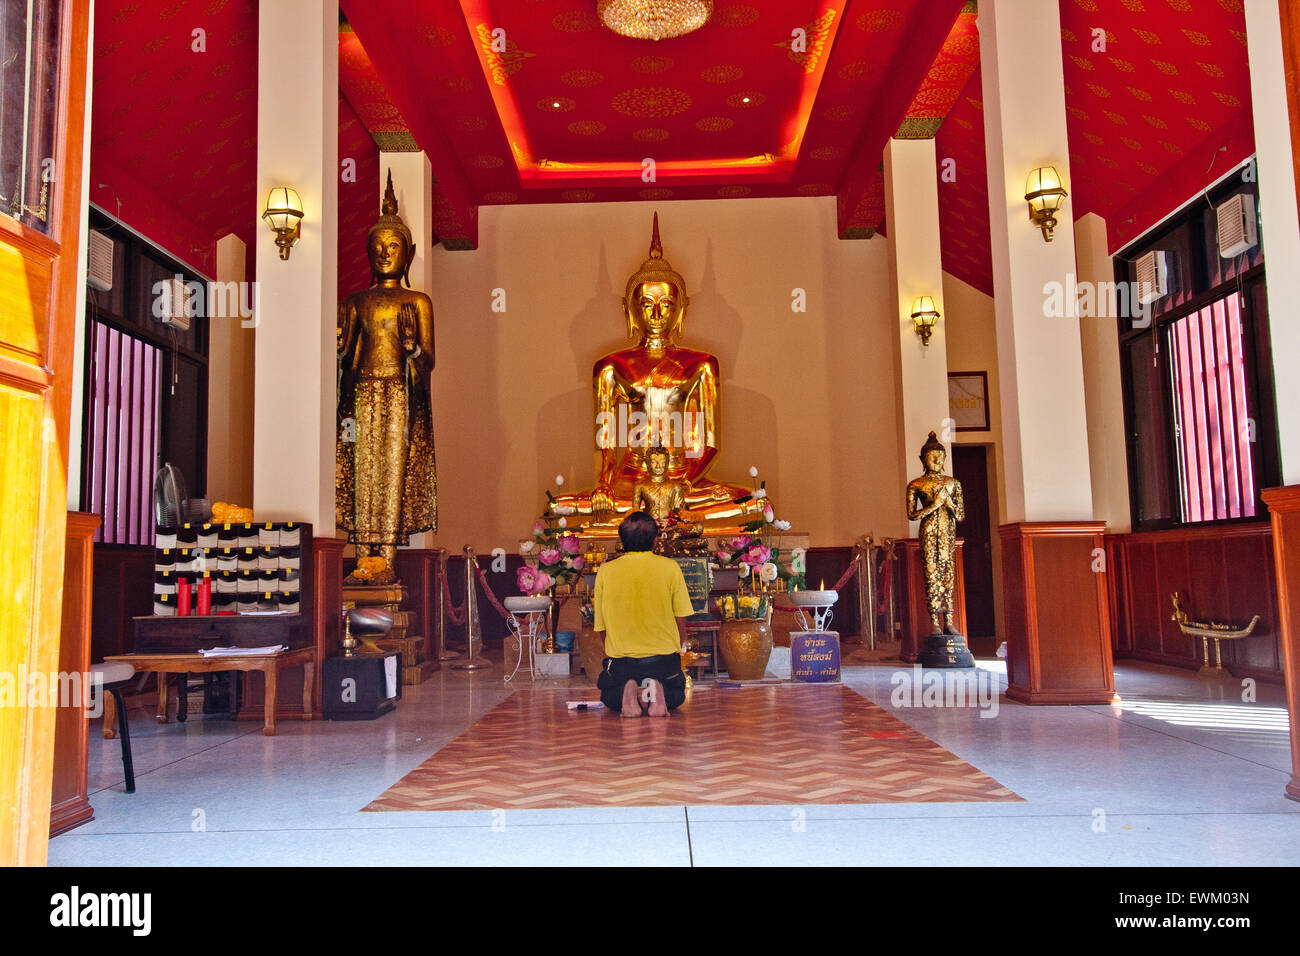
[(1102, 386), (413, 185), (1040, 364), (1279, 220), (230, 384), (297, 145), (915, 269)]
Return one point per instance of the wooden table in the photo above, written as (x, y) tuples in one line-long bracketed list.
[(268, 664)]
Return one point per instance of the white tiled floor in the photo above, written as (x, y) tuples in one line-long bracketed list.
[(1182, 772)]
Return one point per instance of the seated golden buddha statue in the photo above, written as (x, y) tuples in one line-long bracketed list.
[(657, 395)]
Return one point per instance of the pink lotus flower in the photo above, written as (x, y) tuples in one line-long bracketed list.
[(758, 554), (739, 544), (569, 544), (768, 514), (544, 582), (578, 562), (538, 527), (549, 556), (526, 579), (723, 557)]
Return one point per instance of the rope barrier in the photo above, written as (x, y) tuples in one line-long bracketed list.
[(492, 598), (457, 615)]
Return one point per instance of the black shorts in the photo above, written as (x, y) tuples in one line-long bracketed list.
[(665, 668)]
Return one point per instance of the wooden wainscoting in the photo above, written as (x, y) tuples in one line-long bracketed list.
[(123, 589), (1223, 572), (69, 803)]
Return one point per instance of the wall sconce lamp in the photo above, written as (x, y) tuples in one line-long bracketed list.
[(1044, 192), (925, 313), (284, 216)]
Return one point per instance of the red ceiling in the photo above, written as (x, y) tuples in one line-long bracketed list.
[(499, 137), (173, 147), (174, 131), (1153, 119)]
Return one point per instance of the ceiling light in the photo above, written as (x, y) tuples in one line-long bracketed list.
[(654, 19)]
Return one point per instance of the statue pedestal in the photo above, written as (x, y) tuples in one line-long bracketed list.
[(945, 650), (914, 614)]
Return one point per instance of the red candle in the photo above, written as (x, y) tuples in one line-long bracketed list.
[(183, 597), (204, 600)]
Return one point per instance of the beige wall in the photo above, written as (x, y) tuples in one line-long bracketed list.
[(973, 347), (807, 397)]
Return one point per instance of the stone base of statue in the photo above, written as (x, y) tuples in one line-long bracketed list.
[(945, 650)]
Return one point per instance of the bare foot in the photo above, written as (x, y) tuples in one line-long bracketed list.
[(631, 700), (658, 708)]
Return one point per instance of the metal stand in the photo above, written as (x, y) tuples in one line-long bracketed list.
[(443, 653), (526, 630), (865, 556), (473, 627)]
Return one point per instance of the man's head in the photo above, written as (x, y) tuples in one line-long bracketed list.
[(638, 532)]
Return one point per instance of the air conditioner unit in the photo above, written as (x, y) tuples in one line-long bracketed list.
[(1153, 276), (177, 319), (1237, 226), (99, 271)]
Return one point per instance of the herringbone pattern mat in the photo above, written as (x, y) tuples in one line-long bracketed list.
[(759, 745)]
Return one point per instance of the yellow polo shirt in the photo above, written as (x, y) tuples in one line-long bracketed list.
[(637, 600)]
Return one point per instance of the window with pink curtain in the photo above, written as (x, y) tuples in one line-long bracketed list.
[(1213, 432)]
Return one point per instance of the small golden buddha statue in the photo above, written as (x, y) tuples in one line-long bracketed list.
[(657, 394), (935, 500), (657, 493), (385, 485)]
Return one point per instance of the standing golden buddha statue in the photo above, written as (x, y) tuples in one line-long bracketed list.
[(385, 486), (935, 500), (657, 394)]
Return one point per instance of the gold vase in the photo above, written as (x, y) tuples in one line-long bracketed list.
[(746, 645)]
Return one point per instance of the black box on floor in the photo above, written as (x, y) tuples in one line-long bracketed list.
[(359, 687)]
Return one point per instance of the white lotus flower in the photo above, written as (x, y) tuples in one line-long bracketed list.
[(768, 572), (559, 480), (563, 522), (525, 547), (760, 493), (743, 570), (753, 471)]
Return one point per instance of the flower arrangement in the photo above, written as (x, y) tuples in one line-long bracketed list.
[(559, 560), (739, 607), (756, 554)]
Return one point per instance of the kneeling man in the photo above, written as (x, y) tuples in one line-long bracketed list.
[(637, 602)]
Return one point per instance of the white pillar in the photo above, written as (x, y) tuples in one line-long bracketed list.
[(1103, 389), (230, 387), (413, 186), (297, 145), (1040, 364), (1279, 219), (916, 269)]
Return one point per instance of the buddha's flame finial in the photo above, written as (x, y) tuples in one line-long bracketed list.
[(656, 247), (389, 205)]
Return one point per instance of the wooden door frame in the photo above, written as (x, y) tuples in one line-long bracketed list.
[(25, 784)]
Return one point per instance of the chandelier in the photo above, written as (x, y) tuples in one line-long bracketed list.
[(654, 19)]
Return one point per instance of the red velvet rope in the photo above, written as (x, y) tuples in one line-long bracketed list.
[(457, 614), (844, 578), (492, 598), (886, 582)]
